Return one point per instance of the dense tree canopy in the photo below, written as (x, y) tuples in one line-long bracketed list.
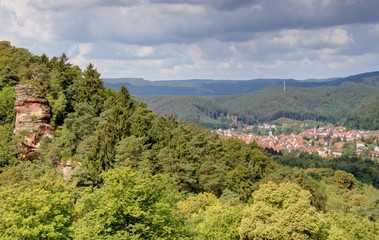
[(353, 106), (129, 205), (42, 208), (281, 211)]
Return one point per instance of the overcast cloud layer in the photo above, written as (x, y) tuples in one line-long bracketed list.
[(219, 39)]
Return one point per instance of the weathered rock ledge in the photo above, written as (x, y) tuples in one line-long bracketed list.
[(32, 116)]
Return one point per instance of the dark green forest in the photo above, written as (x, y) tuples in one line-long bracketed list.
[(139, 175), (352, 106)]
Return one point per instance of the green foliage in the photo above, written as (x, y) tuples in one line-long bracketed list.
[(41, 208), (79, 125), (202, 161), (326, 104), (360, 201), (89, 88), (114, 125), (281, 211), (14, 64), (58, 107), (129, 205), (349, 149), (7, 112), (366, 115), (308, 180), (210, 218), (191, 109), (60, 96), (63, 146), (24, 171), (247, 163), (7, 149), (350, 227), (129, 152), (364, 170), (344, 180)]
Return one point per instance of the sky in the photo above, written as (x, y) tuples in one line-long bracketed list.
[(201, 39)]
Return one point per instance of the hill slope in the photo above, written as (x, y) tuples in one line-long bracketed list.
[(330, 104), (139, 86)]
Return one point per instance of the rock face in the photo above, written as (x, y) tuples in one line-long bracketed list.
[(67, 169), (32, 117)]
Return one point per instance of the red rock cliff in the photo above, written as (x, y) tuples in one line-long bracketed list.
[(32, 116)]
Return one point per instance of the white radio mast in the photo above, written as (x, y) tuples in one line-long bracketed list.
[(284, 86)]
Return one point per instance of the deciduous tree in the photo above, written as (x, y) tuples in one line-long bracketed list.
[(281, 211)]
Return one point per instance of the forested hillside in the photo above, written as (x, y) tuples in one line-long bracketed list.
[(354, 106), (206, 87), (116, 170)]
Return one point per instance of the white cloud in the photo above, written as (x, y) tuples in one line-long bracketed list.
[(181, 8), (144, 51), (338, 37), (62, 4), (22, 23), (163, 39), (224, 65), (83, 50), (319, 38), (374, 29)]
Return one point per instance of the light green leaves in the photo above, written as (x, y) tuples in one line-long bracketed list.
[(281, 211), (130, 205), (38, 209)]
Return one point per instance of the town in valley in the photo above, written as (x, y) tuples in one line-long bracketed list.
[(328, 141)]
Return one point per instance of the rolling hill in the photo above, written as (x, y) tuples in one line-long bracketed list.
[(206, 87), (347, 104)]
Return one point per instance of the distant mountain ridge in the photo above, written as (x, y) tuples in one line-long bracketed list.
[(206, 87)]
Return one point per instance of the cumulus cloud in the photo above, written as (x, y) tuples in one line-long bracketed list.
[(21, 23), (144, 51), (81, 51), (321, 38), (158, 21), (60, 4), (165, 39)]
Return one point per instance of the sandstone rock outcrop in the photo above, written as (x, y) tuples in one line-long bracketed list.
[(32, 117)]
